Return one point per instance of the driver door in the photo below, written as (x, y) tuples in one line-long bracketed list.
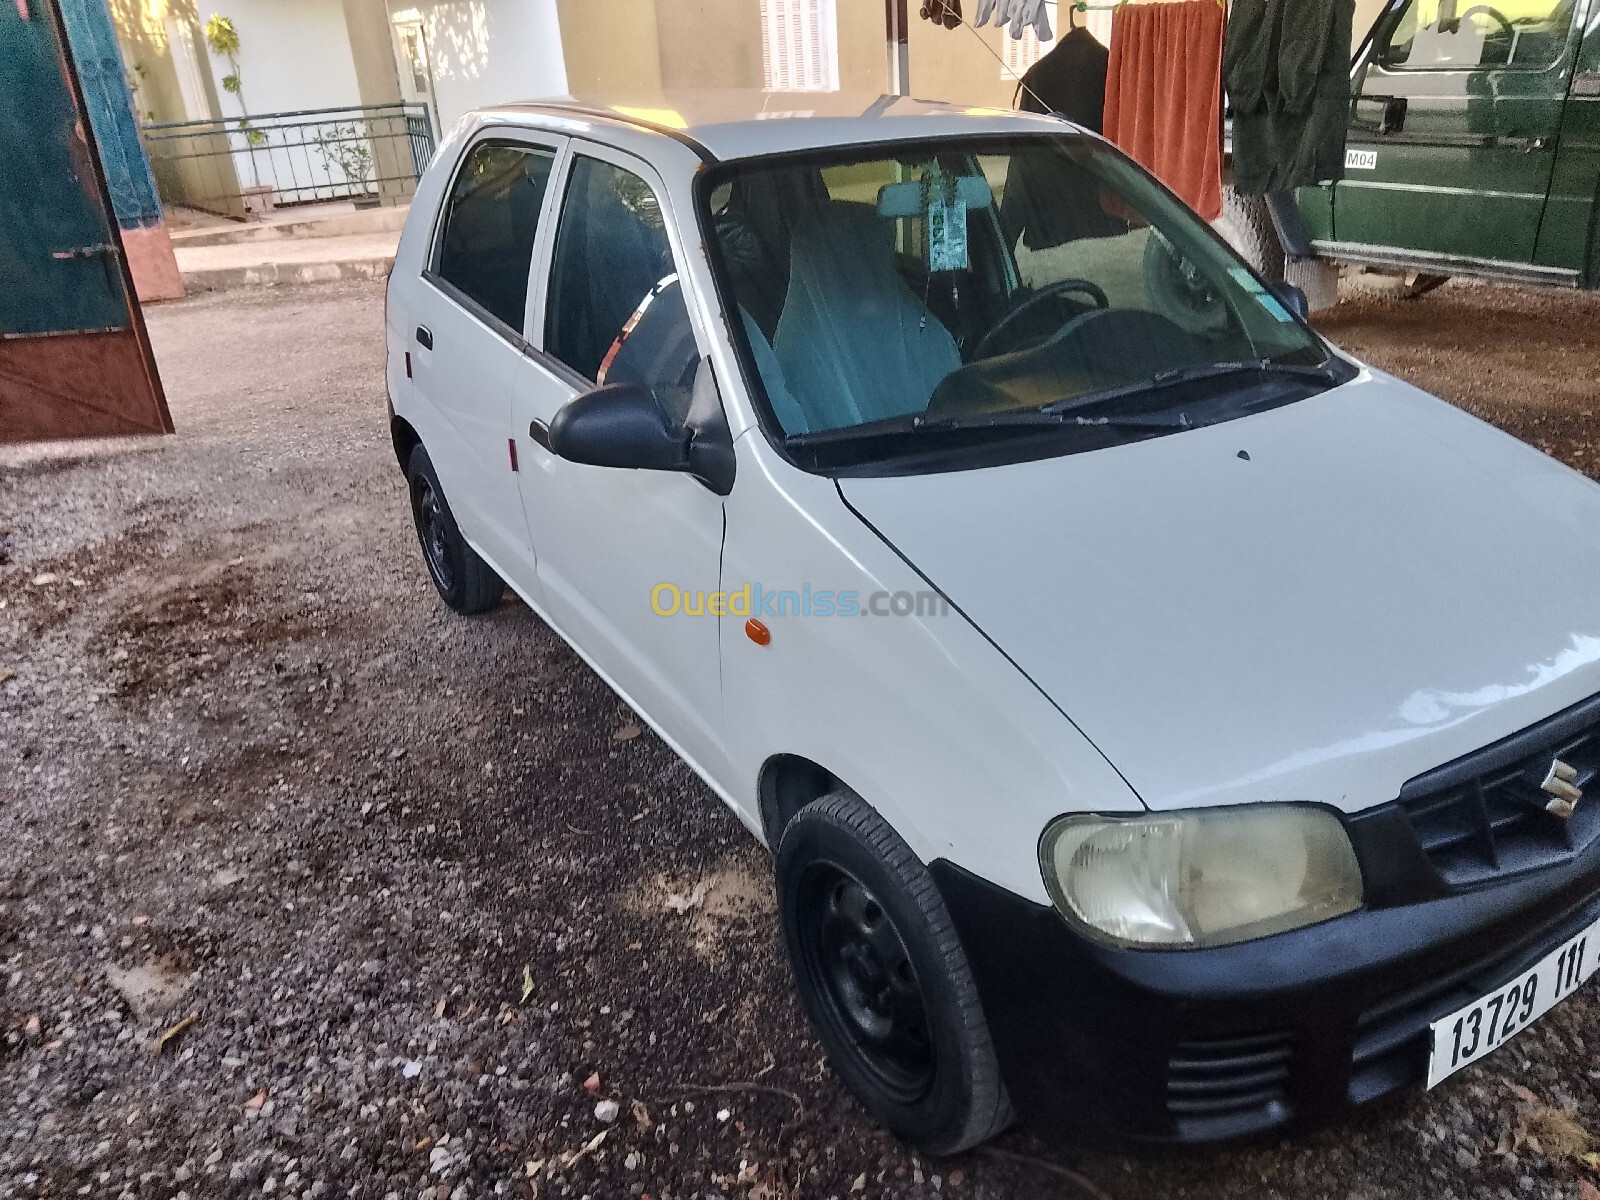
[(1454, 127), (608, 307)]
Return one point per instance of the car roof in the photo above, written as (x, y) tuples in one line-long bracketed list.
[(740, 124)]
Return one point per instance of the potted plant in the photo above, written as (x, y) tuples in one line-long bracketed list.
[(344, 147)]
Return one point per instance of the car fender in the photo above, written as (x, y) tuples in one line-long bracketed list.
[(918, 713)]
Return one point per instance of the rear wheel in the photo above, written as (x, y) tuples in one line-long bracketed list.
[(884, 978), (465, 582)]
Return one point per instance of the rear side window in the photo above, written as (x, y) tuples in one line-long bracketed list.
[(616, 312), (486, 247)]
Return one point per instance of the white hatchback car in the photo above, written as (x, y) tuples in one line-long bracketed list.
[(1163, 723)]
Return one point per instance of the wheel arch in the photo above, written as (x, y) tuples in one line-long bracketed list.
[(789, 782), (405, 439)]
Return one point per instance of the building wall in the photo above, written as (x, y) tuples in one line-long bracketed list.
[(487, 52), (610, 47), (293, 55), (142, 34), (642, 45)]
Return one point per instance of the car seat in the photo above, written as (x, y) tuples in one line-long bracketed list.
[(854, 344)]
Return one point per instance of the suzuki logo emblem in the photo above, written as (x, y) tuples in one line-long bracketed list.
[(1558, 781)]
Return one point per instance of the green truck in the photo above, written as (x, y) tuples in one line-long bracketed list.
[(1473, 150)]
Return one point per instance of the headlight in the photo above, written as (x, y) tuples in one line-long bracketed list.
[(1205, 877)]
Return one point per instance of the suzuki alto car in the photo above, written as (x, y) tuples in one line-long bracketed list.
[(1167, 728)]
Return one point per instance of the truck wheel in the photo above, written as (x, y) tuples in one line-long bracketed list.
[(1396, 285), (465, 582), (1246, 225), (884, 978)]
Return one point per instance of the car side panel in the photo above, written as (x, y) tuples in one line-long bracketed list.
[(1566, 235), (921, 715), (446, 447)]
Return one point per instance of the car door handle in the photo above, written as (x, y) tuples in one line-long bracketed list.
[(424, 337), (539, 433), (1392, 118)]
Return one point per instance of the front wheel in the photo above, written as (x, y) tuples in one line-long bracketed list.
[(884, 979)]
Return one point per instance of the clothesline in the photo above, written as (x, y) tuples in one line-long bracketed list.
[(1084, 6)]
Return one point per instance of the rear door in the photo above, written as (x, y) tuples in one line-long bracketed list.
[(74, 359), (1455, 126), (468, 341), (1565, 233)]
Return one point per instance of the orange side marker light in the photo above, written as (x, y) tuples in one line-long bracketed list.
[(757, 632)]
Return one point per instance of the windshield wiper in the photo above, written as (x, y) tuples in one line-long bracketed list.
[(916, 423), (1027, 419), (1178, 376)]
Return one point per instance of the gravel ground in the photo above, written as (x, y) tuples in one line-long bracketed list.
[(400, 883)]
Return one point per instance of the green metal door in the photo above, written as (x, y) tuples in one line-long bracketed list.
[(74, 360), (1567, 238), (1455, 127), (59, 244)]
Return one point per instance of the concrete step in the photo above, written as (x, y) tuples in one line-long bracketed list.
[(344, 224), (281, 261)]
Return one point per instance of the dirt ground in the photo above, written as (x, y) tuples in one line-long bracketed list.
[(406, 885)]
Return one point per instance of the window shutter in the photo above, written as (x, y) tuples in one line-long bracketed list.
[(800, 45)]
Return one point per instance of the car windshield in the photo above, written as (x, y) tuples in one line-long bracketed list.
[(985, 289)]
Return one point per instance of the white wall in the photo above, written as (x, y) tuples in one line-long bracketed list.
[(487, 52), (293, 54)]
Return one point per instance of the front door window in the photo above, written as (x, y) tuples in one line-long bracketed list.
[(1460, 34), (616, 311)]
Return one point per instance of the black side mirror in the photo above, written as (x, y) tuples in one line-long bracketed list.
[(619, 425), (622, 425), (1293, 299)]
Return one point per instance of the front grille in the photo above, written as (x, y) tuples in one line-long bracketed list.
[(1483, 817), (1238, 1082)]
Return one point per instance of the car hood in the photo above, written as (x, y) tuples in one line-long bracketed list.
[(1314, 603)]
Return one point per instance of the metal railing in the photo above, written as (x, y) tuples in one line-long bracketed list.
[(236, 166)]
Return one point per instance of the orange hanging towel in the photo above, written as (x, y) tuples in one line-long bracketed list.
[(1164, 95)]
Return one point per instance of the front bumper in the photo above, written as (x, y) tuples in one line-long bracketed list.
[(1104, 1045)]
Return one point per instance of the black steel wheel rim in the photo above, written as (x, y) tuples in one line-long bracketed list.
[(865, 978), (431, 528)]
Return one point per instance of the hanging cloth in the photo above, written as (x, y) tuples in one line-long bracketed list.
[(1164, 96), (1069, 81), (1288, 80), (942, 12)]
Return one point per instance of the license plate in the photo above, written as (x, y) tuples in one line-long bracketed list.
[(1486, 1024)]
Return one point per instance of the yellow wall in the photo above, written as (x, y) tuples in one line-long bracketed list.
[(610, 47), (643, 45), (710, 43), (955, 65), (142, 35)]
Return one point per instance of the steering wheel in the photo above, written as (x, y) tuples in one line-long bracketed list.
[(1061, 286)]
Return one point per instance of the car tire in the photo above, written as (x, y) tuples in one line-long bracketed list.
[(466, 583), (1246, 225), (884, 979)]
